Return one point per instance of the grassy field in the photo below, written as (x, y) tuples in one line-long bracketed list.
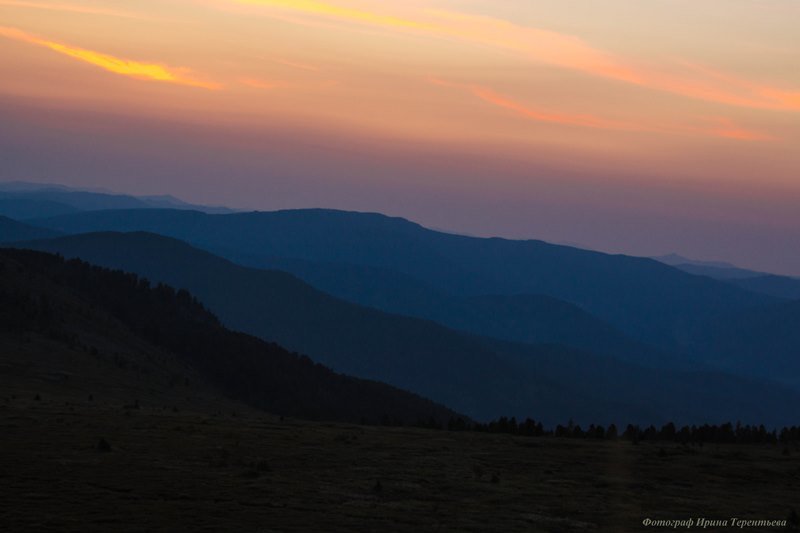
[(247, 472)]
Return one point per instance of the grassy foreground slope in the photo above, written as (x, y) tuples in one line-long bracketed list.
[(170, 471)]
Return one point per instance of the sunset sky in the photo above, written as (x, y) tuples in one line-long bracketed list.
[(632, 126)]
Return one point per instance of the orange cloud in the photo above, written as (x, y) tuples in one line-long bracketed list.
[(570, 52), (541, 45), (722, 127), (124, 67), (740, 91), (726, 128), (556, 49), (586, 121)]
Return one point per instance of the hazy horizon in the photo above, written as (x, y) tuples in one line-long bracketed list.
[(179, 196)]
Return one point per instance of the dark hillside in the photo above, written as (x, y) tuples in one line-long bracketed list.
[(244, 368)]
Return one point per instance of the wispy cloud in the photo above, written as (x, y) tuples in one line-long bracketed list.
[(124, 67), (70, 8), (741, 92), (545, 46), (586, 121), (725, 127), (555, 49), (717, 127)]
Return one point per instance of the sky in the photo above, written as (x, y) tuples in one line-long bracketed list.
[(627, 126)]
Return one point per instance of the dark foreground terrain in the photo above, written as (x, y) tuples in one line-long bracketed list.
[(249, 472)]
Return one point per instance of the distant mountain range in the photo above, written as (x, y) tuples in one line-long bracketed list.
[(23, 200), (674, 259), (759, 282), (475, 375), (713, 269), (648, 301)]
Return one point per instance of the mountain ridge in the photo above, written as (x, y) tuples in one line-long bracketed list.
[(647, 300)]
